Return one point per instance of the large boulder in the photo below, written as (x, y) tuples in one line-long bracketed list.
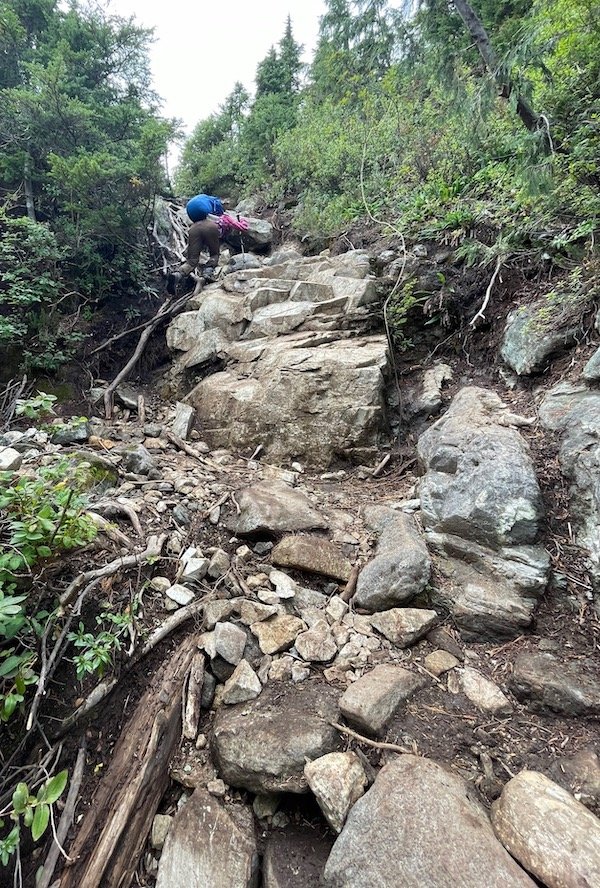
[(420, 825), (479, 482), (265, 744), (273, 507), (550, 833), (551, 685), (303, 398), (574, 410), (208, 844), (530, 338), (490, 593)]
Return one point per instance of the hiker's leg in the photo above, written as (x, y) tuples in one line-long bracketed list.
[(211, 240), (195, 245)]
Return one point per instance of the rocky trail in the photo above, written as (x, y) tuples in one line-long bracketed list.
[(358, 659)]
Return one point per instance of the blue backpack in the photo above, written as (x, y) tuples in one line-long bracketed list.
[(201, 205)]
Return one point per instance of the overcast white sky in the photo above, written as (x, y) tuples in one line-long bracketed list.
[(202, 48)]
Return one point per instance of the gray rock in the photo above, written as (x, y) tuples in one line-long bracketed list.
[(184, 420), (438, 662), (337, 781), (575, 410), (243, 685), (307, 397), (263, 745), (580, 773), (207, 346), (230, 642), (160, 830), (219, 564), (484, 693), (255, 612), (10, 460), (127, 396), (136, 459), (591, 371), (552, 835), (401, 566), (373, 700), (277, 633), (317, 644), (70, 433), (194, 569), (420, 825), (480, 483), (530, 338), (296, 857), (428, 401), (209, 844), (274, 507), (312, 554), (215, 611), (403, 626), (549, 684), (180, 594), (490, 594)]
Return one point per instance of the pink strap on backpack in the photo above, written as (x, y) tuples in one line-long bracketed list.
[(229, 223)]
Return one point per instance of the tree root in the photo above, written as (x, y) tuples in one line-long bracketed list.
[(373, 743)]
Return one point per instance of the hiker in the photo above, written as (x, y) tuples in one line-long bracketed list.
[(204, 234)]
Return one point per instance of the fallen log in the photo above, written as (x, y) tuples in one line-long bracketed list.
[(108, 846)]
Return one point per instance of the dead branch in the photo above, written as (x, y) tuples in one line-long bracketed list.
[(488, 292), (102, 690), (111, 507), (379, 469), (152, 550), (192, 697), (168, 310), (66, 821), (187, 448), (350, 587), (112, 532), (373, 743)]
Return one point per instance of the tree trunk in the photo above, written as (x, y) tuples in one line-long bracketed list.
[(29, 201), (474, 26), (108, 846)]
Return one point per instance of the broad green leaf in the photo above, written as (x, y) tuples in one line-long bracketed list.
[(40, 821), (55, 787)]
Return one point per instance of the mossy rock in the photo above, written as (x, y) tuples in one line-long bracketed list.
[(97, 474)]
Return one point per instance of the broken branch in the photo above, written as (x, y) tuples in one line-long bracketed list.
[(373, 743)]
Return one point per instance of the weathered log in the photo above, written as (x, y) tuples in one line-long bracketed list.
[(108, 846), (191, 714)]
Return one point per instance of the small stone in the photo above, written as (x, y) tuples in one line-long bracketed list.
[(337, 781), (442, 639), (439, 662), (230, 642), (314, 554), (160, 829), (217, 611), (269, 597), (214, 516), (255, 612), (216, 788), (484, 693), (208, 690), (219, 564), (181, 515), (244, 553), (265, 805), (300, 673), (285, 586), (201, 741), (280, 820), (277, 633), (257, 581), (10, 460), (136, 459), (243, 685), (160, 584), (336, 609), (281, 669), (263, 548), (317, 645), (372, 701), (404, 626), (181, 595), (184, 420), (195, 569)]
